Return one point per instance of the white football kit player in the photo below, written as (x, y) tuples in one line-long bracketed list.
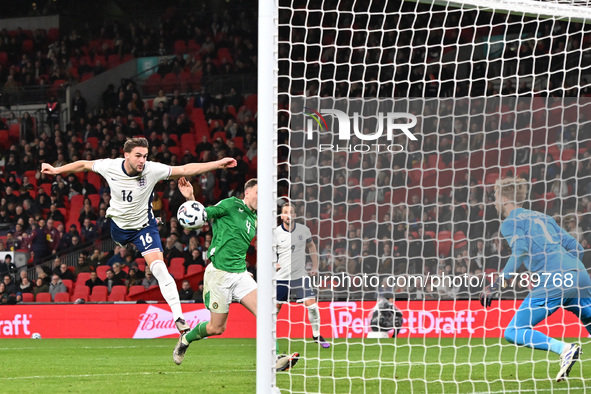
[(131, 202)]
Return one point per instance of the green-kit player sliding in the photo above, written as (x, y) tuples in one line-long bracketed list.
[(226, 279)]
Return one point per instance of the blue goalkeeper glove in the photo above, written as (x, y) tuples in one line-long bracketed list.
[(492, 291)]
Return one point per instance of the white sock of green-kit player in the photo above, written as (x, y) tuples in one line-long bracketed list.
[(314, 317), (167, 288)]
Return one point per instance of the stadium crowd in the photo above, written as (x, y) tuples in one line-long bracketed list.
[(198, 44), (375, 214)]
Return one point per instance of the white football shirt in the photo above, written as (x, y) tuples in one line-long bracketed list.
[(291, 251), (131, 196)]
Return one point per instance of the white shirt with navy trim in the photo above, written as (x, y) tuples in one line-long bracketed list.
[(131, 196), (291, 251)]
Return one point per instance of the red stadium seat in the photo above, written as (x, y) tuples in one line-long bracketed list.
[(444, 242), (81, 279), (133, 290), (93, 142), (118, 293), (153, 84), (177, 262), (194, 269), (170, 82), (81, 291), (28, 297), (177, 272), (94, 179), (62, 297), (14, 132), (69, 285), (99, 294), (180, 47), (101, 271), (251, 103), (43, 297), (95, 199), (175, 150), (141, 263)]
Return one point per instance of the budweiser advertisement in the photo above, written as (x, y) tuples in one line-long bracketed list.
[(339, 320)]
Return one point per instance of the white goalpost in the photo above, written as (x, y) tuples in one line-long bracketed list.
[(267, 180), (386, 125)]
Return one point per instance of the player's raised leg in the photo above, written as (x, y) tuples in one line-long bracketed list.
[(155, 261)]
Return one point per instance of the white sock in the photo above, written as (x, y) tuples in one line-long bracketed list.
[(167, 288), (314, 317)]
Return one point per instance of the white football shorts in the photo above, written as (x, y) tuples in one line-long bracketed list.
[(221, 288)]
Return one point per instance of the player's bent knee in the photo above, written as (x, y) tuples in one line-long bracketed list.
[(511, 334)]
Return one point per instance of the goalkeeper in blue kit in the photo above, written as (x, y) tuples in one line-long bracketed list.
[(553, 258)]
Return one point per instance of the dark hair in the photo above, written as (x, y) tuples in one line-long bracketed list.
[(250, 183), (139, 142)]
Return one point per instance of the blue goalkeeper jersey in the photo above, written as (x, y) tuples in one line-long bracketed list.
[(542, 246)]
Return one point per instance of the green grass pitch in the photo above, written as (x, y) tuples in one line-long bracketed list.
[(228, 366)]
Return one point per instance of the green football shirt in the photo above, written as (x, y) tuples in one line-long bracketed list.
[(234, 226)]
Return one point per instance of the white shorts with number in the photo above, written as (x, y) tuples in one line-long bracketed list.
[(221, 288)]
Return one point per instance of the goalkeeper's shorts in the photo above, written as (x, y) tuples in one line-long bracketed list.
[(298, 289)]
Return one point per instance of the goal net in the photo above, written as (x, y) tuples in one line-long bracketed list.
[(395, 119)]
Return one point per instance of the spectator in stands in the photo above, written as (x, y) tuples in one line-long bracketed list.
[(53, 112), (194, 257), (118, 256), (6, 266), (186, 292), (252, 151), (149, 280), (65, 273), (55, 267), (103, 223), (56, 286), (22, 275), (39, 245), (174, 196), (25, 286), (160, 99), (202, 99), (52, 235), (78, 106), (88, 231), (41, 286), (98, 258), (83, 264), (170, 250), (94, 281), (198, 294), (27, 127), (12, 119), (112, 280), (118, 272), (10, 285), (133, 278)]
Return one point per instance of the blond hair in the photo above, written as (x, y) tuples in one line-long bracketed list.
[(514, 189)]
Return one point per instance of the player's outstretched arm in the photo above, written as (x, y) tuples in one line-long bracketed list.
[(77, 166), (186, 189), (199, 168)]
